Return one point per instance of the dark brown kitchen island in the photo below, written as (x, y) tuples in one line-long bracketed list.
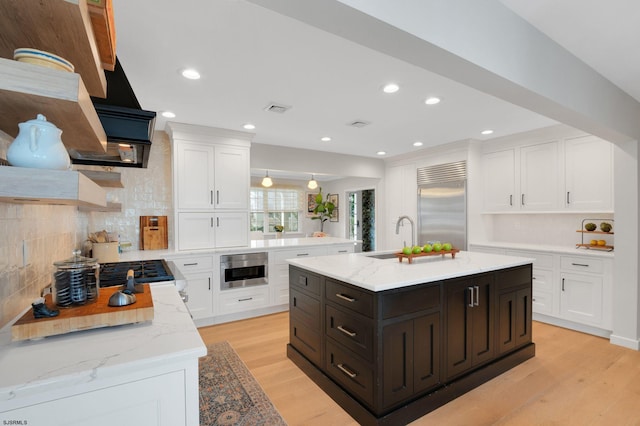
[(391, 356)]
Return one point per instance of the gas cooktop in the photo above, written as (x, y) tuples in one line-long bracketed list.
[(144, 271)]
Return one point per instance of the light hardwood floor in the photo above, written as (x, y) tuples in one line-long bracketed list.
[(574, 379)]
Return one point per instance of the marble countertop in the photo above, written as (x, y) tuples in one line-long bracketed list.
[(256, 245), (387, 274), (33, 367), (546, 248)]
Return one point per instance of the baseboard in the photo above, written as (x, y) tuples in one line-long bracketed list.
[(572, 325), (625, 342)]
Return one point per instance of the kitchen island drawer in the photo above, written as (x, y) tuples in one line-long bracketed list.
[(350, 297), (402, 302), (352, 373), (243, 299), (353, 332), (581, 264), (304, 280)]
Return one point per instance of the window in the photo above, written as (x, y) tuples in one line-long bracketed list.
[(270, 207)]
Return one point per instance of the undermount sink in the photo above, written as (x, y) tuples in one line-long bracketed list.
[(383, 256)]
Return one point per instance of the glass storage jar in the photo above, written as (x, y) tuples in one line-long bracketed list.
[(76, 281)]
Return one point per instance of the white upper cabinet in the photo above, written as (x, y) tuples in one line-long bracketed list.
[(588, 174), (500, 181), (194, 176), (574, 174), (539, 177), (232, 178)]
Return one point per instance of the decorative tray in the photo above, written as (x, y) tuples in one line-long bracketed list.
[(412, 256)]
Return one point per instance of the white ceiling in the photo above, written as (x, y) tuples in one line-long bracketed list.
[(250, 56)]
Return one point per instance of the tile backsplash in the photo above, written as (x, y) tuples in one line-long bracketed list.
[(35, 236)]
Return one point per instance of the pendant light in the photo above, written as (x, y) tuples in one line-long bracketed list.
[(266, 181), (312, 183)]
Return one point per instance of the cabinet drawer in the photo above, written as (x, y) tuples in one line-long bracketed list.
[(400, 302), (305, 308), (542, 302), (355, 375), (352, 332), (340, 249), (305, 340), (304, 280), (349, 297), (281, 256), (242, 300), (581, 264), (541, 260), (542, 280), (514, 277), (194, 263)]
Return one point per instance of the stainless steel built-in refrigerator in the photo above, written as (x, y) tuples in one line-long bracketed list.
[(442, 204)]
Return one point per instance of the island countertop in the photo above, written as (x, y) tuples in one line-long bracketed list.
[(387, 274)]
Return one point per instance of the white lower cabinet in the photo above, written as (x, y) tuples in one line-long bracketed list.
[(573, 291), (199, 272)]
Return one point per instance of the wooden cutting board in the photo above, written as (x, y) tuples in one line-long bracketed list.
[(153, 233), (92, 315)]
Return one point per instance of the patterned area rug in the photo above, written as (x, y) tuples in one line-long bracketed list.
[(229, 394)]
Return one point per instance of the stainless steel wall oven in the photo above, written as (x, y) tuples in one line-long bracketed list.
[(243, 270)]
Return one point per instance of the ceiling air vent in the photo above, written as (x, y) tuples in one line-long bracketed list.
[(279, 108), (359, 123)]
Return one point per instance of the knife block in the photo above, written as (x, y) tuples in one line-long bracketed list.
[(153, 233)]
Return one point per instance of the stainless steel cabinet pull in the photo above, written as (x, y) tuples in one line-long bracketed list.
[(302, 254), (347, 298), (522, 200), (217, 197), (343, 251), (470, 297), (477, 290), (563, 284), (212, 222), (245, 299), (218, 222), (190, 264), (568, 200), (209, 283), (510, 199), (346, 371), (345, 331), (211, 196), (580, 264)]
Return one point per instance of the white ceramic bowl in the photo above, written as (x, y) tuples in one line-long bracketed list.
[(42, 58)]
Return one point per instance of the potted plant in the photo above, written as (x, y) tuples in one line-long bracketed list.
[(279, 230), (323, 211)]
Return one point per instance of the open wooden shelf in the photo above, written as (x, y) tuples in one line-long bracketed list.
[(104, 179), (42, 186), (110, 208), (27, 90), (62, 27)]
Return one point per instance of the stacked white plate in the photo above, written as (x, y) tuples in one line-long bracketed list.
[(40, 57)]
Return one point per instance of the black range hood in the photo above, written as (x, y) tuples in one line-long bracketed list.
[(129, 128)]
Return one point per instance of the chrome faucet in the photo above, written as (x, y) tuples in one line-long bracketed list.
[(400, 219)]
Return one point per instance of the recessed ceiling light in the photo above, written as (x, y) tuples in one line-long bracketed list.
[(432, 100), (391, 88), (325, 139), (487, 132), (168, 114), (191, 74), (417, 143), (381, 153), (249, 126)]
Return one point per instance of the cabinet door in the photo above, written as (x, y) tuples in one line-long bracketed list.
[(195, 231), (426, 349), (231, 178), (232, 229), (499, 181), (539, 177), (470, 323), (398, 358), (514, 319), (194, 176), (200, 289), (588, 174), (581, 298)]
